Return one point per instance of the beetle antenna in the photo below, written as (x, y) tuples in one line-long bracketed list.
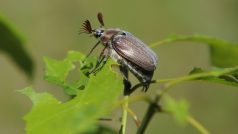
[(93, 48), (100, 19), (86, 28)]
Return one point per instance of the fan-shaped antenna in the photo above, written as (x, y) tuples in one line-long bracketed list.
[(100, 19), (86, 28)]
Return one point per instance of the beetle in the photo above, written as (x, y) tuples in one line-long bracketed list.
[(126, 49)]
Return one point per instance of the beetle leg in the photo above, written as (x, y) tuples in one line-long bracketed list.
[(146, 79), (96, 69), (93, 48), (104, 55), (143, 76), (126, 82), (99, 61), (103, 62)]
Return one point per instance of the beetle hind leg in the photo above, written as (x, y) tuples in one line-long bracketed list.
[(126, 82), (146, 85), (148, 77), (142, 75)]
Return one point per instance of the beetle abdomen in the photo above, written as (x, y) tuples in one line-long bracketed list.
[(135, 51)]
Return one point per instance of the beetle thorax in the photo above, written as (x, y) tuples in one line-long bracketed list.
[(106, 34)]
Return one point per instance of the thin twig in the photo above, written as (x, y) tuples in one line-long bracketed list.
[(134, 116), (124, 115), (197, 125), (152, 109), (173, 81)]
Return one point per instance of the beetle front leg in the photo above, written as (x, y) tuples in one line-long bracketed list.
[(104, 55), (102, 63)]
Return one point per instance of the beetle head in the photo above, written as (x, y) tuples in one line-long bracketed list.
[(87, 28), (97, 33)]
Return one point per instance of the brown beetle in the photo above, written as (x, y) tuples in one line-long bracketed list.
[(127, 50)]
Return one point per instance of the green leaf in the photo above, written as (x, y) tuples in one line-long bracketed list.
[(50, 116), (225, 77), (179, 109), (57, 71), (222, 52), (39, 99), (88, 64), (221, 75), (12, 44), (99, 129)]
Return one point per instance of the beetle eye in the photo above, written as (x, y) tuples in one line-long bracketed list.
[(123, 33), (98, 34)]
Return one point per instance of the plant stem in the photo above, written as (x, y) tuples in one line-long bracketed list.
[(194, 38), (152, 109), (134, 116), (168, 84), (197, 125), (172, 82), (124, 115)]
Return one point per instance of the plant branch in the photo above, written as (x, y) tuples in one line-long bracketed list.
[(124, 115), (134, 116), (197, 125), (195, 38), (152, 109), (155, 108), (173, 81)]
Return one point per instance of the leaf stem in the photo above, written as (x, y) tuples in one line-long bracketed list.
[(124, 115), (172, 82), (195, 38), (197, 125), (134, 116)]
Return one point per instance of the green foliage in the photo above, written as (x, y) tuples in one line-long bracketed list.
[(179, 109), (57, 72), (223, 53), (99, 129), (13, 45), (96, 95), (227, 76), (78, 115)]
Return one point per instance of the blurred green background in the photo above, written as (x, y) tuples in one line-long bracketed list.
[(50, 29)]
